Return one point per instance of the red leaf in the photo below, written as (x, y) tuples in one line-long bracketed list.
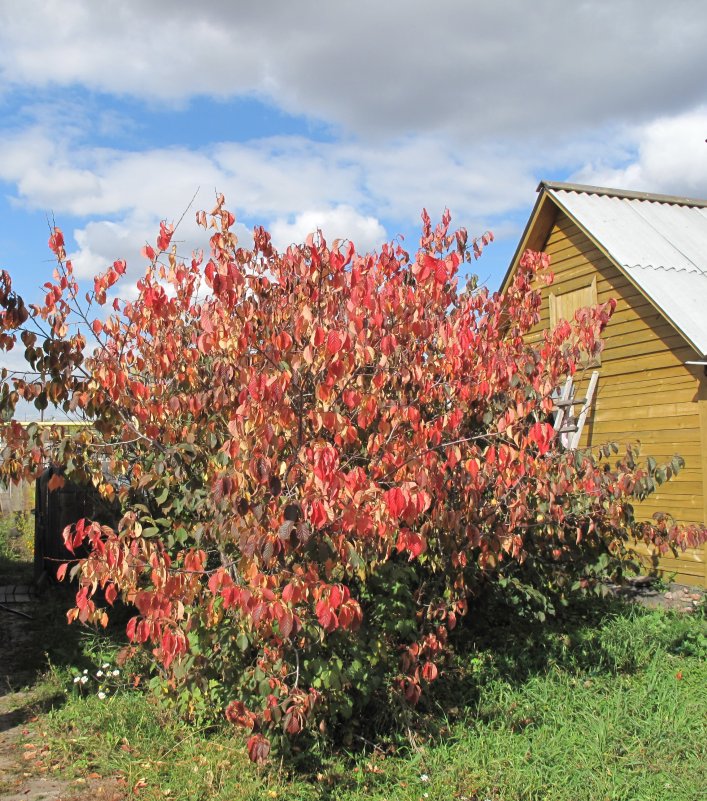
[(293, 722), (285, 621), (334, 342), (396, 501), (165, 236), (56, 240), (111, 594), (335, 596), (284, 341), (258, 748), (318, 516), (325, 615), (412, 692), (542, 435), (239, 714), (289, 593), (416, 544), (215, 581), (441, 274), (131, 628), (429, 671)]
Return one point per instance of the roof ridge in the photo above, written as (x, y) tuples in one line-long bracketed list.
[(622, 193)]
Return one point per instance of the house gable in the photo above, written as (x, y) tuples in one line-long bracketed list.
[(646, 392), (647, 275)]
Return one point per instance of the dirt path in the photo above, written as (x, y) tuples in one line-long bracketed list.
[(27, 766), (24, 770), (645, 590)]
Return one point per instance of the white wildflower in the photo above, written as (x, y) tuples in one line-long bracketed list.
[(105, 665), (85, 672), (77, 679), (424, 777), (99, 673), (83, 679), (101, 695), (116, 672)]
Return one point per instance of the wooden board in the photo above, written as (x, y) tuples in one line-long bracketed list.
[(646, 392)]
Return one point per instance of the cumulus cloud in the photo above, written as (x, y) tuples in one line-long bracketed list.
[(100, 243), (669, 155), (277, 181), (341, 222), (461, 105), (470, 69)]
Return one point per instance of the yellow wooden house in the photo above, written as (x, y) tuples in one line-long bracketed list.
[(649, 252)]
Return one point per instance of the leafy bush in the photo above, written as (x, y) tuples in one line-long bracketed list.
[(321, 458)]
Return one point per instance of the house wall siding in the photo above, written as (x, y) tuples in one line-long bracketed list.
[(645, 392)]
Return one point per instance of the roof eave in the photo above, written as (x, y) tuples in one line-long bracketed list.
[(539, 216)]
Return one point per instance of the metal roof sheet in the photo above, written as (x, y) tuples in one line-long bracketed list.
[(661, 244)]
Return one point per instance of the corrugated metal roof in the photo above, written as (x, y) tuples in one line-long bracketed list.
[(661, 243)]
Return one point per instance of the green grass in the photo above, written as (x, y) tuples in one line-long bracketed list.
[(608, 706)]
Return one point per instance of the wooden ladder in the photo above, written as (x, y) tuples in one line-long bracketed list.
[(567, 426)]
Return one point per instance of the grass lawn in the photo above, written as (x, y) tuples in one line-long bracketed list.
[(610, 703)]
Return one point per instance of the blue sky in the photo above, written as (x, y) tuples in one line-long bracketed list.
[(346, 116)]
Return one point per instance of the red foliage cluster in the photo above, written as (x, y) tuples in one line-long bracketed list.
[(278, 426)]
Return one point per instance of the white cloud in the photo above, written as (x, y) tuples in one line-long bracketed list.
[(292, 184), (669, 155), (100, 243), (342, 222), (84, 181), (283, 175), (271, 181)]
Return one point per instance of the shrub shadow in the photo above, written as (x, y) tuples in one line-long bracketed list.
[(36, 635)]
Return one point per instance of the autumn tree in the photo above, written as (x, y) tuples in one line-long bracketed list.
[(320, 458)]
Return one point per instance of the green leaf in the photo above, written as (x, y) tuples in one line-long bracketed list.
[(162, 497)]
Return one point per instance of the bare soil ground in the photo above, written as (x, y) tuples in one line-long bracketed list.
[(27, 767), (648, 592)]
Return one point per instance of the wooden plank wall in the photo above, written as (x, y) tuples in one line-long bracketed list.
[(645, 391)]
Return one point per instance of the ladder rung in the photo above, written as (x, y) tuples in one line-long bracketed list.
[(570, 402), (572, 430)]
